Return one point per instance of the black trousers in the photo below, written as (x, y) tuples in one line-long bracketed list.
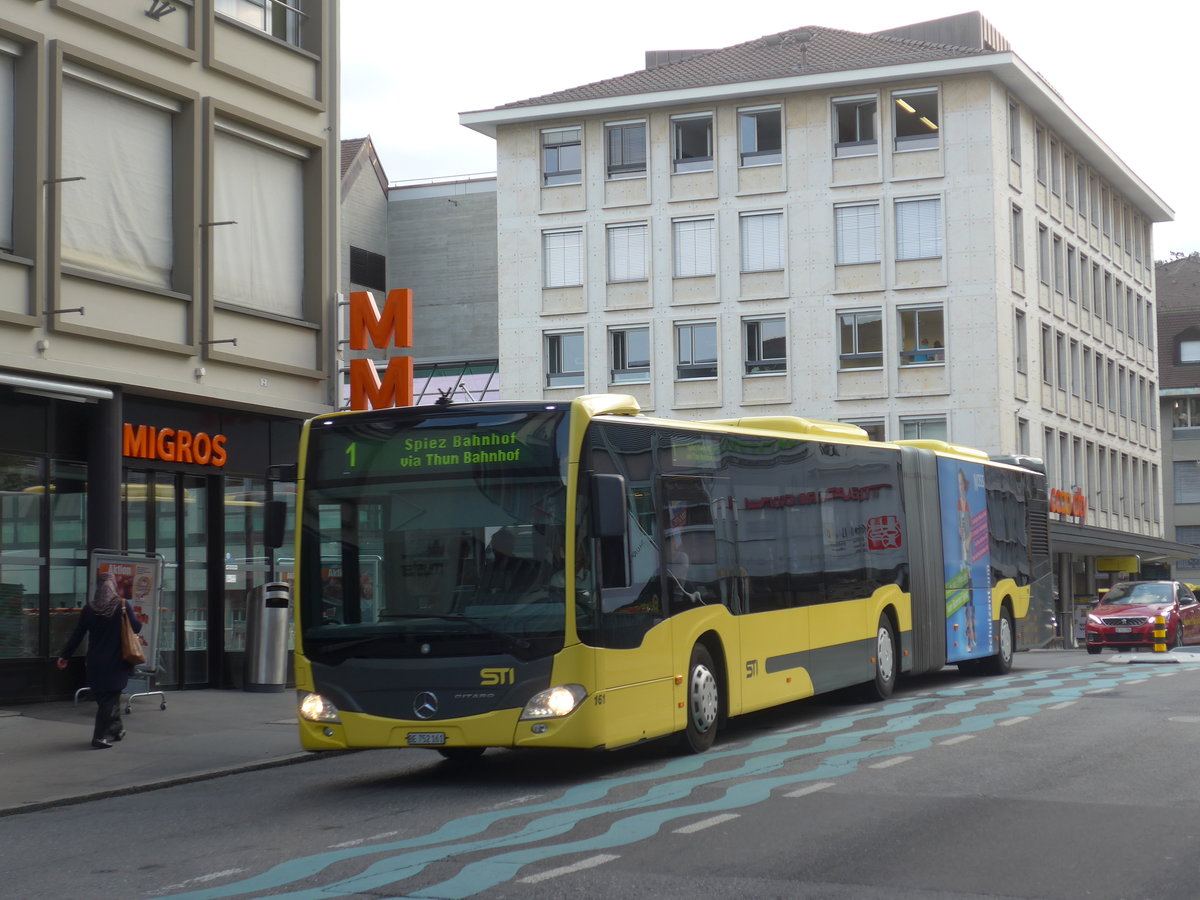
[(108, 715)]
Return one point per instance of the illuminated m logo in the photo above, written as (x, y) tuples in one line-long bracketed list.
[(391, 328)]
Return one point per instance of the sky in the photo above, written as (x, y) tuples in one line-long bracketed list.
[(409, 69)]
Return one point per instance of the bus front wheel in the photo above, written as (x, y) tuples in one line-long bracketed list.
[(703, 702)]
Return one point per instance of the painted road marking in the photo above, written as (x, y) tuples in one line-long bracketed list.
[(590, 863), (706, 823), (809, 789), (1016, 720), (888, 763), (957, 739)]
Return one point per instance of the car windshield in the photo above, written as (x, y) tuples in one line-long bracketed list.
[(1139, 593)]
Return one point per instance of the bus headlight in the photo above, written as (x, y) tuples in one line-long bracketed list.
[(554, 703), (316, 708)]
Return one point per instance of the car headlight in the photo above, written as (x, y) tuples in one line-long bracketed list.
[(316, 708), (1094, 620), (554, 703)]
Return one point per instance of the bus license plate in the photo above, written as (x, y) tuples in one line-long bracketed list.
[(426, 738), (1123, 629)]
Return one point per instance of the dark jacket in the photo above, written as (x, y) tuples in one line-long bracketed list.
[(106, 668)]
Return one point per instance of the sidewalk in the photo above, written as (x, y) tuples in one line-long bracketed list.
[(47, 758)]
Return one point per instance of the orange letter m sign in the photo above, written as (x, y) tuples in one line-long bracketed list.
[(391, 328)]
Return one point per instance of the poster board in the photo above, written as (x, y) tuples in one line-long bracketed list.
[(139, 579)]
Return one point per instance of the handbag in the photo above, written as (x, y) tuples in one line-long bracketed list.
[(131, 645)]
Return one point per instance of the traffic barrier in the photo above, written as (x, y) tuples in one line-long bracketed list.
[(1160, 634)]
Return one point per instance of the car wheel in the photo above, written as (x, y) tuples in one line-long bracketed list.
[(886, 663), (1178, 639), (1001, 663), (703, 702), (1095, 651)]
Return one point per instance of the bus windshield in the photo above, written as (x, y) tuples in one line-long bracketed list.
[(434, 534)]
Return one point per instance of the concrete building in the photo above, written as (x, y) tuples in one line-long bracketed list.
[(168, 265), (1178, 282), (908, 230)]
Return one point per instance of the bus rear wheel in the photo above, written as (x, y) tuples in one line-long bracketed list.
[(703, 702), (886, 665), (1001, 663)]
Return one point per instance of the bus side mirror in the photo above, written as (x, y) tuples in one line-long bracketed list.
[(274, 522), (609, 523)]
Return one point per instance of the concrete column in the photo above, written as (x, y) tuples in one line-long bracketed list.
[(105, 475)]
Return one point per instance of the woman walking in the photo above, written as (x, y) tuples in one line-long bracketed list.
[(107, 670)]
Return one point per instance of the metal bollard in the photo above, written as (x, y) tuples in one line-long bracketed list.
[(1160, 634)]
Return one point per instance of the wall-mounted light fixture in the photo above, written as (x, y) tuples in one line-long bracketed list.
[(160, 8)]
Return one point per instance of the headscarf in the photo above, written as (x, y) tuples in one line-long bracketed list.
[(106, 601)]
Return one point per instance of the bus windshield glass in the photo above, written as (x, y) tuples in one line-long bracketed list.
[(427, 533)]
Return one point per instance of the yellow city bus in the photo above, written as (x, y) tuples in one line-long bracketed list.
[(578, 574)]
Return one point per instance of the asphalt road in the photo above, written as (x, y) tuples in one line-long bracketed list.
[(1074, 776)]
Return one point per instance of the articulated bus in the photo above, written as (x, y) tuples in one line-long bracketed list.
[(581, 575)]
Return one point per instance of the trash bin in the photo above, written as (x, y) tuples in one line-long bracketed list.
[(267, 638)]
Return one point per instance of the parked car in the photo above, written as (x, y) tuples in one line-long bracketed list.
[(1124, 617)]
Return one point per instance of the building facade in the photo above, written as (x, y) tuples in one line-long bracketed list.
[(1178, 282), (907, 230), (168, 264)]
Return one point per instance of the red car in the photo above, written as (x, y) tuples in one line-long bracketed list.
[(1124, 617)]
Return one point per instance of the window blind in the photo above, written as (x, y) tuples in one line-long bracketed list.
[(919, 228), (857, 234), (762, 242), (694, 250), (562, 253), (627, 253)]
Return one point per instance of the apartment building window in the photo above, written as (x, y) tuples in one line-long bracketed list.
[(1023, 436), (1105, 211), (1055, 167), (368, 269), (1060, 360), (1085, 284), (118, 138), (922, 335), (765, 342), (1076, 371), (1112, 386), (1108, 297), (692, 143), (873, 427), (1047, 355), (1130, 312), (1044, 255), (1014, 132), (564, 359), (762, 241), (860, 339), (1039, 145), (279, 18), (625, 145), (857, 233), (1068, 178), (919, 228), (1081, 189), (7, 149), (1117, 218), (1018, 238), (1072, 275), (1138, 313), (629, 355), (1088, 375), (627, 252), (696, 350), (928, 428), (916, 117), (562, 258), (760, 134), (1097, 290), (1048, 456), (1103, 487), (1020, 341), (695, 247), (1100, 384), (1185, 412), (1187, 347), (562, 156), (1058, 265), (854, 122), (259, 184)]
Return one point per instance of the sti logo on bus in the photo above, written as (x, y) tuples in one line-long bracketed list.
[(391, 328), (496, 676)]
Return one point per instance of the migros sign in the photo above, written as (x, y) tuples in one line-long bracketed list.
[(391, 328), (174, 445)]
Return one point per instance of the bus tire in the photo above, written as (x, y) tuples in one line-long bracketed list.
[(461, 754), (886, 663), (1001, 663), (703, 702)]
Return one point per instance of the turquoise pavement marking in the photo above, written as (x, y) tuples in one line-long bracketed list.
[(760, 757)]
